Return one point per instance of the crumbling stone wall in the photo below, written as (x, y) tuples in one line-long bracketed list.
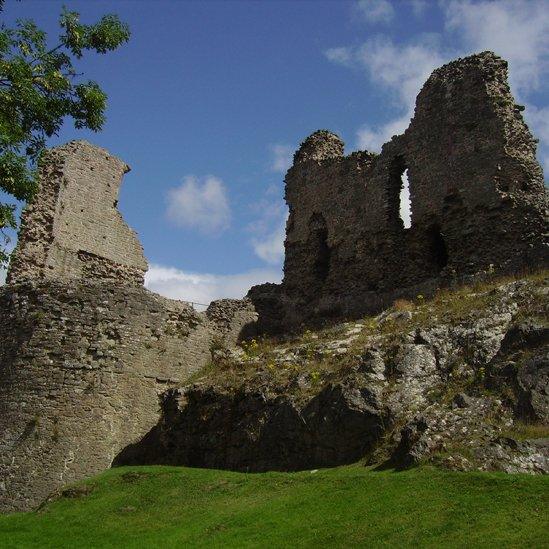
[(73, 228), (477, 195), (85, 350), (82, 365)]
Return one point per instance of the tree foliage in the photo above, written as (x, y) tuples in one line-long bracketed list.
[(39, 88)]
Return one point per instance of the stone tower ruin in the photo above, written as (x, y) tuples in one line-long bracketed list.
[(478, 203), (73, 228)]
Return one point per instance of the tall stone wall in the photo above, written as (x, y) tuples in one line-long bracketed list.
[(85, 350), (82, 365), (478, 203), (73, 228)]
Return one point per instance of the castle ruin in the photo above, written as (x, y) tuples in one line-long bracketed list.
[(86, 351), (478, 203)]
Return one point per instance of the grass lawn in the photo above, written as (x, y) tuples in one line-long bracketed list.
[(341, 507)]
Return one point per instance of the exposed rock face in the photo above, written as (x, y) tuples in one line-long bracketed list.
[(396, 391), (73, 228), (85, 350), (249, 430), (477, 195)]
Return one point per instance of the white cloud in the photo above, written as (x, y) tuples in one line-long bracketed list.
[(376, 11), (271, 248), (269, 230), (282, 157), (538, 122), (203, 287), (200, 204), (371, 138), (339, 55), (516, 30), (399, 69)]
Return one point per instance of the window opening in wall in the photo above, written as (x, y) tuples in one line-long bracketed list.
[(438, 249), (399, 206), (322, 264), (405, 207), (318, 244)]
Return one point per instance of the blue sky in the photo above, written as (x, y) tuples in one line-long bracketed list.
[(208, 101)]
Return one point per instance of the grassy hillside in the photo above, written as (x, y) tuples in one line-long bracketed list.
[(342, 507)]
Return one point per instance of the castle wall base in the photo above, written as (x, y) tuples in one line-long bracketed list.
[(82, 365)]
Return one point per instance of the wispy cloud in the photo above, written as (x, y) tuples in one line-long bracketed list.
[(371, 138), (269, 230), (514, 29), (200, 204), (341, 55), (282, 157), (375, 11), (418, 7), (204, 287), (270, 248), (395, 68)]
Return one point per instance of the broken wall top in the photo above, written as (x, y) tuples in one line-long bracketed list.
[(73, 229), (477, 196)]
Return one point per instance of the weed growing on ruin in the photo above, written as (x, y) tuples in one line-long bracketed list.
[(523, 430), (403, 305)]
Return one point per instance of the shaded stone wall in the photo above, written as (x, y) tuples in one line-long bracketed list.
[(73, 228), (82, 365), (477, 197)]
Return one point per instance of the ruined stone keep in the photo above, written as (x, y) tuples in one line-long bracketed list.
[(478, 203), (86, 351)]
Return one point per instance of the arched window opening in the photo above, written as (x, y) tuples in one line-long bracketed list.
[(437, 248), (322, 263), (399, 203), (405, 210)]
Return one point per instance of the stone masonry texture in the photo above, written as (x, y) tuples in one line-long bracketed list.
[(73, 229), (85, 350), (477, 194)]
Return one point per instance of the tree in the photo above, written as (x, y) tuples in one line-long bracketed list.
[(39, 88)]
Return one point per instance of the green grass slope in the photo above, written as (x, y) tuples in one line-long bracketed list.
[(341, 507)]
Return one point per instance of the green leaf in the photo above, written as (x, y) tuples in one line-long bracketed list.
[(39, 89)]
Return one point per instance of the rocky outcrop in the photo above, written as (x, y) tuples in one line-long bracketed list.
[(252, 430), (431, 382)]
